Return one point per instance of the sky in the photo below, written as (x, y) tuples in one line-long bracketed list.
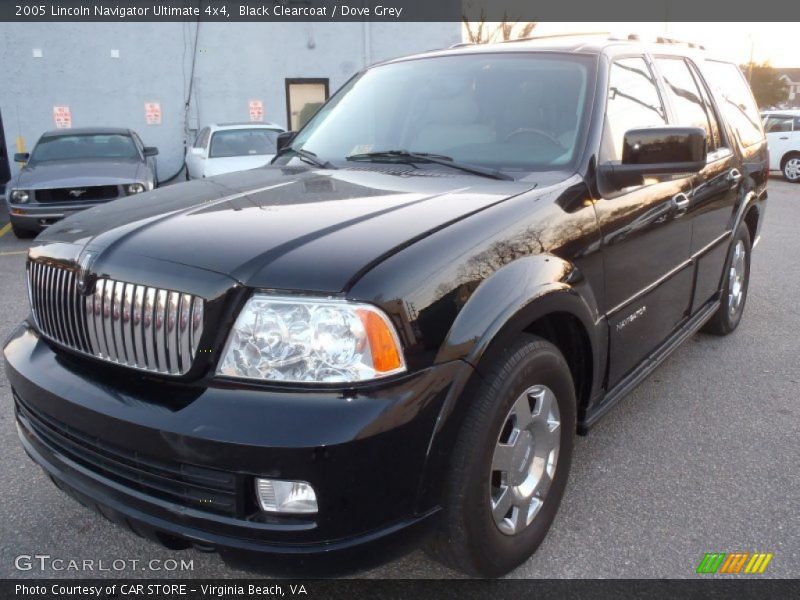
[(778, 43)]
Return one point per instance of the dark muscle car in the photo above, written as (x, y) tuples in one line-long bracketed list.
[(72, 169), (396, 329)]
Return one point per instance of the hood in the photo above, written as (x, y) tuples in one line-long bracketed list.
[(288, 228), (71, 173), (230, 164)]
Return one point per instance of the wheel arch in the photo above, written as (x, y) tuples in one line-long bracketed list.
[(541, 295)]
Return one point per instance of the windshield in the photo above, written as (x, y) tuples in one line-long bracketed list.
[(243, 142), (516, 112), (84, 147)]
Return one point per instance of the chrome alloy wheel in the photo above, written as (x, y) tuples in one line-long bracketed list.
[(736, 276), (524, 460), (792, 169)]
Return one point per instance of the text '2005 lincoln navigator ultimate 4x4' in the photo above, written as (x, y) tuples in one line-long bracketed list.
[(395, 329)]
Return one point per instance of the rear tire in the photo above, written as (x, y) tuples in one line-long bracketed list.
[(498, 461), (790, 166), (736, 276)]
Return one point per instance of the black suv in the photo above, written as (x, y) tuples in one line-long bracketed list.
[(396, 329)]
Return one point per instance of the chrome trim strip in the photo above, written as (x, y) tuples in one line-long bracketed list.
[(158, 332), (184, 332), (650, 287), (148, 328), (171, 332), (127, 324)]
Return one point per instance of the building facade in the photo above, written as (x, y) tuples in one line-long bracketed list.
[(791, 77), (166, 80)]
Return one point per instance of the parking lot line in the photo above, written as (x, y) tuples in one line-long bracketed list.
[(14, 253), (5, 229)]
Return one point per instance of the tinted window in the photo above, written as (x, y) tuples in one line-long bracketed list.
[(689, 96), (243, 142), (718, 136), (514, 111), (735, 100), (775, 124), (633, 103), (77, 147)]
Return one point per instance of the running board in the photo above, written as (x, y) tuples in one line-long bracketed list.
[(647, 366)]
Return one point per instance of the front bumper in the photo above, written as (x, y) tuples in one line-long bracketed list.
[(364, 452), (35, 217)]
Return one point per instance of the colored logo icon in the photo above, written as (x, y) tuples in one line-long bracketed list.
[(735, 562)]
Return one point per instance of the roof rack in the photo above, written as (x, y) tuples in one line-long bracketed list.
[(632, 37), (557, 35), (666, 40)]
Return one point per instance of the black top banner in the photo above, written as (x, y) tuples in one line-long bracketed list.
[(399, 10)]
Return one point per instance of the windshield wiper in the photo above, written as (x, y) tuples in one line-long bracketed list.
[(412, 157), (307, 156)]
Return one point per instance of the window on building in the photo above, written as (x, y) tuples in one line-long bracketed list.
[(303, 99), (633, 103)]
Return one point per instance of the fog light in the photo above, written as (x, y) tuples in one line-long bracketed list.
[(294, 497)]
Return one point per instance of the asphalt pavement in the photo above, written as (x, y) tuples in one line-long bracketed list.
[(704, 456)]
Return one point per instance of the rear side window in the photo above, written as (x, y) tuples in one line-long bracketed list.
[(633, 103), (735, 100)]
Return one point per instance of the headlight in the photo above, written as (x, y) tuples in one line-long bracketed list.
[(311, 340), (135, 188), (19, 196)]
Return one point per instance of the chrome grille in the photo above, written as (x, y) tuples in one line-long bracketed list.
[(132, 325)]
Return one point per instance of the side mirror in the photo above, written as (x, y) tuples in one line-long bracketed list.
[(657, 151), (22, 157), (197, 151), (150, 151), (285, 139)]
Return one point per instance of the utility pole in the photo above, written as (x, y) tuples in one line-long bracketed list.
[(750, 62)]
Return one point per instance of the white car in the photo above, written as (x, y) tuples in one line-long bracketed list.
[(228, 147), (783, 138)]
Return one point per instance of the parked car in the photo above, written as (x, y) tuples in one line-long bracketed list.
[(70, 170), (396, 329), (783, 137), (230, 147)]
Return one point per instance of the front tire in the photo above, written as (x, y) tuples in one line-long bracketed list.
[(736, 280), (791, 167), (20, 233), (510, 463)]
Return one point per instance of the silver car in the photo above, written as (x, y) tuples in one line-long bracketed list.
[(71, 170)]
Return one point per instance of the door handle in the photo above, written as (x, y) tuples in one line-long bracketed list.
[(734, 175), (784, 137), (681, 202)]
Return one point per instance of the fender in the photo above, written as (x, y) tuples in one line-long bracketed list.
[(515, 296), (750, 200)]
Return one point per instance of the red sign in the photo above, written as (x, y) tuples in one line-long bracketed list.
[(62, 117), (152, 113), (256, 110)]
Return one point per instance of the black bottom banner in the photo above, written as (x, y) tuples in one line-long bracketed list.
[(397, 589)]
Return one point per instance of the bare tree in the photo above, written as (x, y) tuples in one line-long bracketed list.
[(479, 31)]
